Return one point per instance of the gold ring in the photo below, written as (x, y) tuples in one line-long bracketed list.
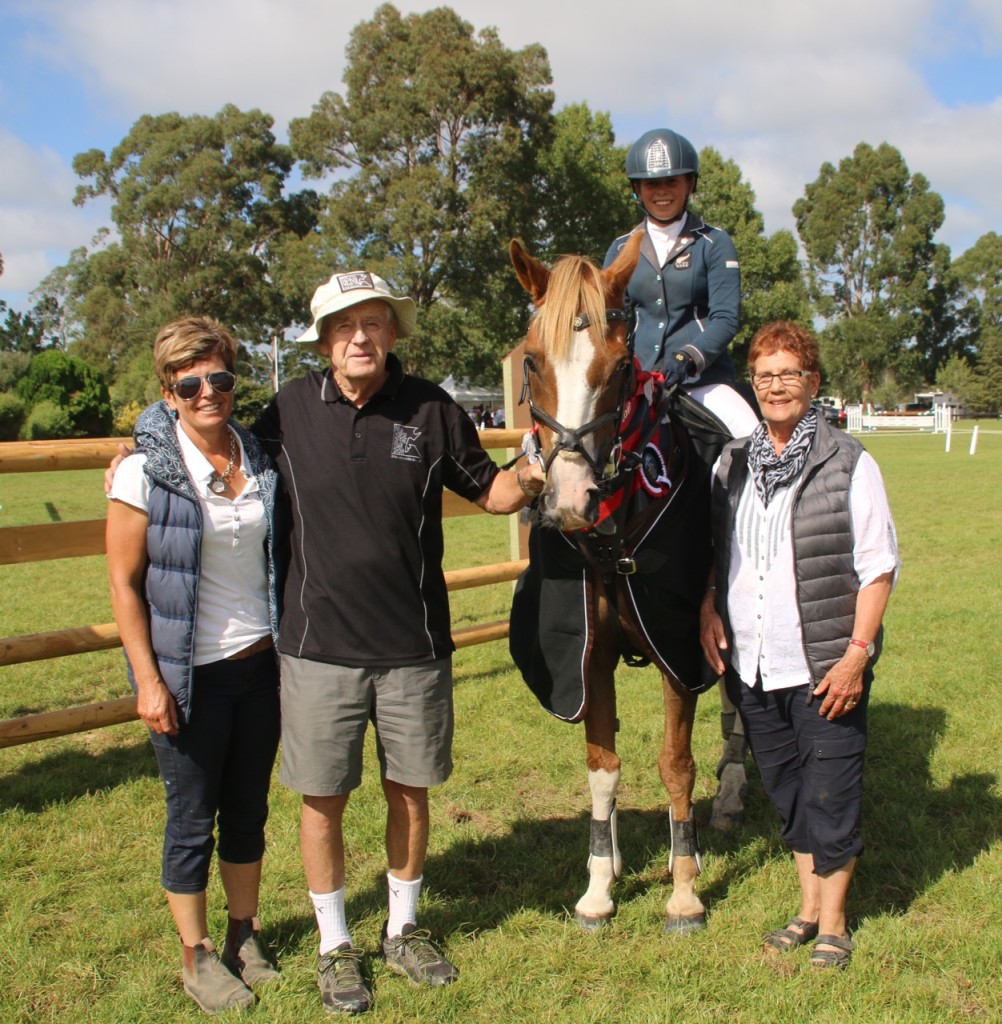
[(850, 704)]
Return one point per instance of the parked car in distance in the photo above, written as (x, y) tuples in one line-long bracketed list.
[(836, 417)]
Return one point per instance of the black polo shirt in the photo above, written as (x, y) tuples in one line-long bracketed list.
[(365, 584)]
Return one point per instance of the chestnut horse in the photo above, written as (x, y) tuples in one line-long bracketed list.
[(619, 552)]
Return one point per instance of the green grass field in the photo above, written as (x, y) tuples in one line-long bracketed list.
[(86, 935)]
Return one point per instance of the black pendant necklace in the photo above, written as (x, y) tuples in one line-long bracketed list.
[(218, 481)]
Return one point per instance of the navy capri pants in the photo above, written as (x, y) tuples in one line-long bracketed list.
[(812, 769), (217, 769)]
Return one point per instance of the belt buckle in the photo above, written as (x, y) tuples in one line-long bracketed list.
[(626, 566)]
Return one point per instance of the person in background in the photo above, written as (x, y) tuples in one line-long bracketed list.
[(805, 560), (685, 301), (191, 541)]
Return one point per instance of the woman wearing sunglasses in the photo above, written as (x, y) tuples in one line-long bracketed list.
[(190, 538)]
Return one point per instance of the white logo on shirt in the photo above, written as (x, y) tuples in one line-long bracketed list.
[(403, 445)]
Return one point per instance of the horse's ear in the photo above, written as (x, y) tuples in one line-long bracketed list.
[(617, 275), (532, 275)]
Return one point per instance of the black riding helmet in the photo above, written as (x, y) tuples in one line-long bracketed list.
[(661, 153)]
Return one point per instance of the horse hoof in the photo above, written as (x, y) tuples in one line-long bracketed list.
[(591, 924), (727, 822), (677, 924)]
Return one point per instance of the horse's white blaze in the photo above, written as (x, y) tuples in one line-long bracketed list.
[(570, 478)]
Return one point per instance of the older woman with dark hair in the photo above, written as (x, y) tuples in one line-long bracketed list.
[(805, 560), (191, 538)]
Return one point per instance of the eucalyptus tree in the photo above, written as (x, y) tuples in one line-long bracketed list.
[(975, 375), (875, 275), (199, 215), (431, 157), (772, 283)]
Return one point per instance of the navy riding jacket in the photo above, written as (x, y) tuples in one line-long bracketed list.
[(691, 304)]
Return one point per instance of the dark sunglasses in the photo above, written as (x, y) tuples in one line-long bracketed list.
[(189, 388)]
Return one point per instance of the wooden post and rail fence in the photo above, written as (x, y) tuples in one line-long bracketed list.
[(86, 537)]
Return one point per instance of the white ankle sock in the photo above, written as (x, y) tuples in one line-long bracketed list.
[(403, 903), (329, 908)]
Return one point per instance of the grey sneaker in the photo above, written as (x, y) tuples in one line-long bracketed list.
[(211, 985), (414, 955), (342, 984), (247, 957)]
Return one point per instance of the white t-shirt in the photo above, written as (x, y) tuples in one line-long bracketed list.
[(767, 637), (233, 578)]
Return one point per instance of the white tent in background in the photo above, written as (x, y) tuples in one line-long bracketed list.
[(468, 396)]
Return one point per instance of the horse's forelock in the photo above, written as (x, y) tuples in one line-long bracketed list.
[(575, 289)]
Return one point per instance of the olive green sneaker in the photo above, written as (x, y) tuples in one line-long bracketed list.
[(414, 955), (343, 988)]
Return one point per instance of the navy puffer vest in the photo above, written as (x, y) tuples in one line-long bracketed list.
[(173, 543)]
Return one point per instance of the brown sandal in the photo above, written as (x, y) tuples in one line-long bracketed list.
[(838, 957), (782, 940)]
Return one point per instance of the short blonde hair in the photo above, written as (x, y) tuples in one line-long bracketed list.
[(189, 340)]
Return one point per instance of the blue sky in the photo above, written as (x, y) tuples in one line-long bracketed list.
[(780, 86)]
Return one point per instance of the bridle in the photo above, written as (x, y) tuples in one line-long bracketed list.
[(571, 440)]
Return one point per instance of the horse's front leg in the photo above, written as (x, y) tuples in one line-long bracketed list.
[(684, 911), (596, 906)]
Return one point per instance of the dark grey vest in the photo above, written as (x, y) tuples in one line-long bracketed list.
[(822, 541)]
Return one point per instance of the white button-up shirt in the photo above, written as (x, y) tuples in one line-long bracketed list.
[(233, 577), (767, 634)]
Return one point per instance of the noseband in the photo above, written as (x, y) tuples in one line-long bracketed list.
[(568, 440)]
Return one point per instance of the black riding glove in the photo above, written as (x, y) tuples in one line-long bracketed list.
[(677, 368)]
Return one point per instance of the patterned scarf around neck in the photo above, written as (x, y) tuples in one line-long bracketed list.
[(771, 471)]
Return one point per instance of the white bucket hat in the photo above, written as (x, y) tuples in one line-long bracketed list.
[(344, 290)]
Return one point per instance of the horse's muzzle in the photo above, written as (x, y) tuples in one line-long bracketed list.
[(578, 514)]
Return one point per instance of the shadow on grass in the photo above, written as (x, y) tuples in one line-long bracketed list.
[(914, 833), (69, 774)]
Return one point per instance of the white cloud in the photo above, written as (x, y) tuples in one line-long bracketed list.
[(987, 14), (38, 223), (28, 174), (197, 55), (780, 86)]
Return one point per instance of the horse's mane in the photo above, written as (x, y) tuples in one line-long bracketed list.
[(575, 288)]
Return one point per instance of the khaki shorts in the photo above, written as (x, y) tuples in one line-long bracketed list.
[(327, 708)]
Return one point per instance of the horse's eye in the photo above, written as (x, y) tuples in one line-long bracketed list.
[(530, 364), (622, 367)]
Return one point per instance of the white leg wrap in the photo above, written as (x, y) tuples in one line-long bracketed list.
[(604, 786), (604, 862)]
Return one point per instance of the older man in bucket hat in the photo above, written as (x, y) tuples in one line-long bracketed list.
[(365, 451)]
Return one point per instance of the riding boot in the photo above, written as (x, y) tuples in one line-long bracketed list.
[(728, 805)]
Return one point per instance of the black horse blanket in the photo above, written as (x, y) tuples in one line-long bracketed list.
[(663, 532)]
